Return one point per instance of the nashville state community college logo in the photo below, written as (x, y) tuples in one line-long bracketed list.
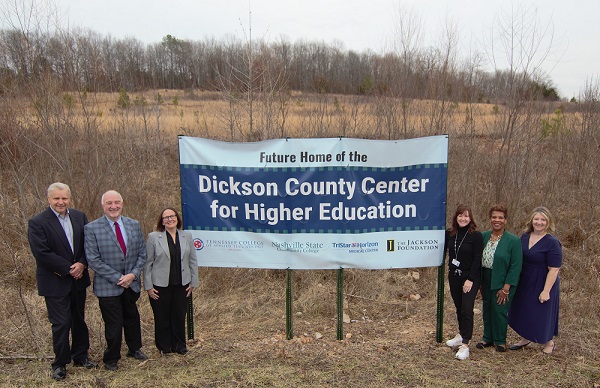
[(198, 244)]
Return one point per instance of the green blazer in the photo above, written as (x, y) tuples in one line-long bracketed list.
[(508, 260)]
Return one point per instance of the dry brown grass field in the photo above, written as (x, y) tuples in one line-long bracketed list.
[(239, 314)]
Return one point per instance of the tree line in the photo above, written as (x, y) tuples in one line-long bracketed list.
[(85, 60)]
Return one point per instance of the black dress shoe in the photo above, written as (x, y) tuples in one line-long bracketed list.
[(138, 355), (183, 351), (59, 373), (482, 345), (111, 366), (501, 348), (518, 347), (86, 364)]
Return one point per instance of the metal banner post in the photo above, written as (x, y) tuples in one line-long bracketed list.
[(190, 318), (289, 330), (340, 304), (440, 303)]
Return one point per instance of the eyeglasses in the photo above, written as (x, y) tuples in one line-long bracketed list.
[(167, 218)]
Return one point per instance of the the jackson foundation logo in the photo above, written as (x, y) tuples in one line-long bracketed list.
[(390, 245), (417, 245)]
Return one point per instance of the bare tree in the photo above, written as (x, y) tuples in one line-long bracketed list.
[(521, 43), (407, 43), (441, 87), (584, 143), (255, 85)]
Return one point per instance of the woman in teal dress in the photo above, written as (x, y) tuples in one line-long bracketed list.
[(501, 267), (534, 311)]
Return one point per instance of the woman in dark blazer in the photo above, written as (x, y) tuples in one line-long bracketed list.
[(501, 266), (170, 275)]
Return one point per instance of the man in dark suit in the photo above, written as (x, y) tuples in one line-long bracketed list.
[(56, 241), (115, 250)]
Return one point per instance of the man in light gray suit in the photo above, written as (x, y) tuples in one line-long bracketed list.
[(115, 250)]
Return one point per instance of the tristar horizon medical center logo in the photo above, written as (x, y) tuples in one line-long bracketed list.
[(412, 245), (358, 247)]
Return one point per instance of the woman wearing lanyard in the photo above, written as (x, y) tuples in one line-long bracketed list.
[(464, 245)]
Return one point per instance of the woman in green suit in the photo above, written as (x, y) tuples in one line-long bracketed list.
[(501, 267)]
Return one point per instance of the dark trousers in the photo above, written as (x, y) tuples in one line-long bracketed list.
[(464, 303), (169, 318), (120, 314), (67, 314)]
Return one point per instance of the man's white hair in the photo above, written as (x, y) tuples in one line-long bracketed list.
[(58, 186), (110, 192)]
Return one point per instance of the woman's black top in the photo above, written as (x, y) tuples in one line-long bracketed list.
[(464, 253), (175, 253)]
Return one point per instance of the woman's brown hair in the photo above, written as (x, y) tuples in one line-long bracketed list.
[(159, 225), (460, 210), (498, 208)]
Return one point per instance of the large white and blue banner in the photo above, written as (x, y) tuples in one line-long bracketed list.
[(315, 203)]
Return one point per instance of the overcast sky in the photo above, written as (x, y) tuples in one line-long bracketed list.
[(358, 24)]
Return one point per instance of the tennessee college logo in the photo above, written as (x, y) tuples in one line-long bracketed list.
[(390, 246), (198, 244)]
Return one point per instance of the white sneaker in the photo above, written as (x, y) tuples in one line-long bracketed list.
[(463, 353), (454, 342)]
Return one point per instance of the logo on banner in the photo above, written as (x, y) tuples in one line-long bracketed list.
[(237, 245), (198, 244), (298, 246), (358, 247), (418, 245), (390, 245)]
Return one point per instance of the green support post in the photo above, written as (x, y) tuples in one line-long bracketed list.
[(440, 303), (190, 318), (340, 304), (289, 331)]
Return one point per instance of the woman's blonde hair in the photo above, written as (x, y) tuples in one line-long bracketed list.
[(547, 215)]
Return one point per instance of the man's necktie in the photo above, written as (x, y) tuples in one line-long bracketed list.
[(120, 238)]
